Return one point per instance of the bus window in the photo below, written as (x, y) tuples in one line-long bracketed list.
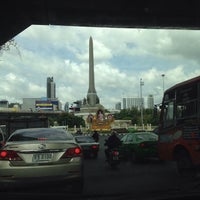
[(168, 114), (180, 110), (186, 110), (186, 102)]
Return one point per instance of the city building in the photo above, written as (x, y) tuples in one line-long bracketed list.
[(4, 103), (124, 102), (66, 107), (48, 103), (75, 106), (5, 106), (132, 102), (41, 104), (150, 101), (118, 106), (28, 104), (51, 88)]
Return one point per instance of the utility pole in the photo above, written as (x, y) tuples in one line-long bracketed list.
[(141, 105), (163, 78)]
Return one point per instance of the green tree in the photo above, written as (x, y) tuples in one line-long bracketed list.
[(70, 120), (134, 114), (8, 45), (11, 105)]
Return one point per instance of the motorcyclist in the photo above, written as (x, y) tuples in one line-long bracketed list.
[(79, 132), (112, 142), (96, 136)]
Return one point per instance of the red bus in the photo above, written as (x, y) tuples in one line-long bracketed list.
[(179, 128)]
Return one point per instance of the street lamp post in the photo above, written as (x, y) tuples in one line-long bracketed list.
[(163, 77), (141, 105)]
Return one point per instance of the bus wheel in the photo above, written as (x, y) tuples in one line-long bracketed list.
[(184, 164)]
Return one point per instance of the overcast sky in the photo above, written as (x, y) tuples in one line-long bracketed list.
[(121, 58)]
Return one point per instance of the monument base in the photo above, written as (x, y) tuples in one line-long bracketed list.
[(91, 109)]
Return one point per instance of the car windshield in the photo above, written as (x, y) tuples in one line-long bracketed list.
[(40, 134)]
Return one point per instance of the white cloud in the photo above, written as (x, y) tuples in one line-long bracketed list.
[(122, 57)]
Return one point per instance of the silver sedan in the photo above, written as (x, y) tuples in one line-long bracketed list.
[(41, 155)]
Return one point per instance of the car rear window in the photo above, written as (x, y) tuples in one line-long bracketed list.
[(40, 134), (146, 137), (84, 139)]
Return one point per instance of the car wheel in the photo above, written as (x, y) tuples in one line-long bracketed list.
[(184, 164)]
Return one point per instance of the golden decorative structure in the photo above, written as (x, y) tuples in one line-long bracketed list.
[(100, 121)]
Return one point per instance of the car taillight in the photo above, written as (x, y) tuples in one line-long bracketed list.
[(94, 147), (72, 152), (142, 145), (9, 155), (115, 153)]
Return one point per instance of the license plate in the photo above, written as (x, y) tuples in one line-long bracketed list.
[(115, 158), (42, 157), (86, 147)]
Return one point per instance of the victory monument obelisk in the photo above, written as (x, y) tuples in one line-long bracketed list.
[(96, 118), (92, 97), (91, 103)]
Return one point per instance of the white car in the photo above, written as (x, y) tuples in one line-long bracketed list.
[(2, 137), (41, 155)]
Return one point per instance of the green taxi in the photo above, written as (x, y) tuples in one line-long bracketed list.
[(139, 146)]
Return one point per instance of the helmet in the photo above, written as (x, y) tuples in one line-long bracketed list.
[(114, 133)]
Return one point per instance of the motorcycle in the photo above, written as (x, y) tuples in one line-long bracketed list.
[(113, 158)]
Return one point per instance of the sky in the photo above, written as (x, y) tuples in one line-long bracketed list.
[(122, 57)]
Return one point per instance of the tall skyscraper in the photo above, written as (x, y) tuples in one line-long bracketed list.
[(150, 101), (51, 88), (124, 103), (118, 106)]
